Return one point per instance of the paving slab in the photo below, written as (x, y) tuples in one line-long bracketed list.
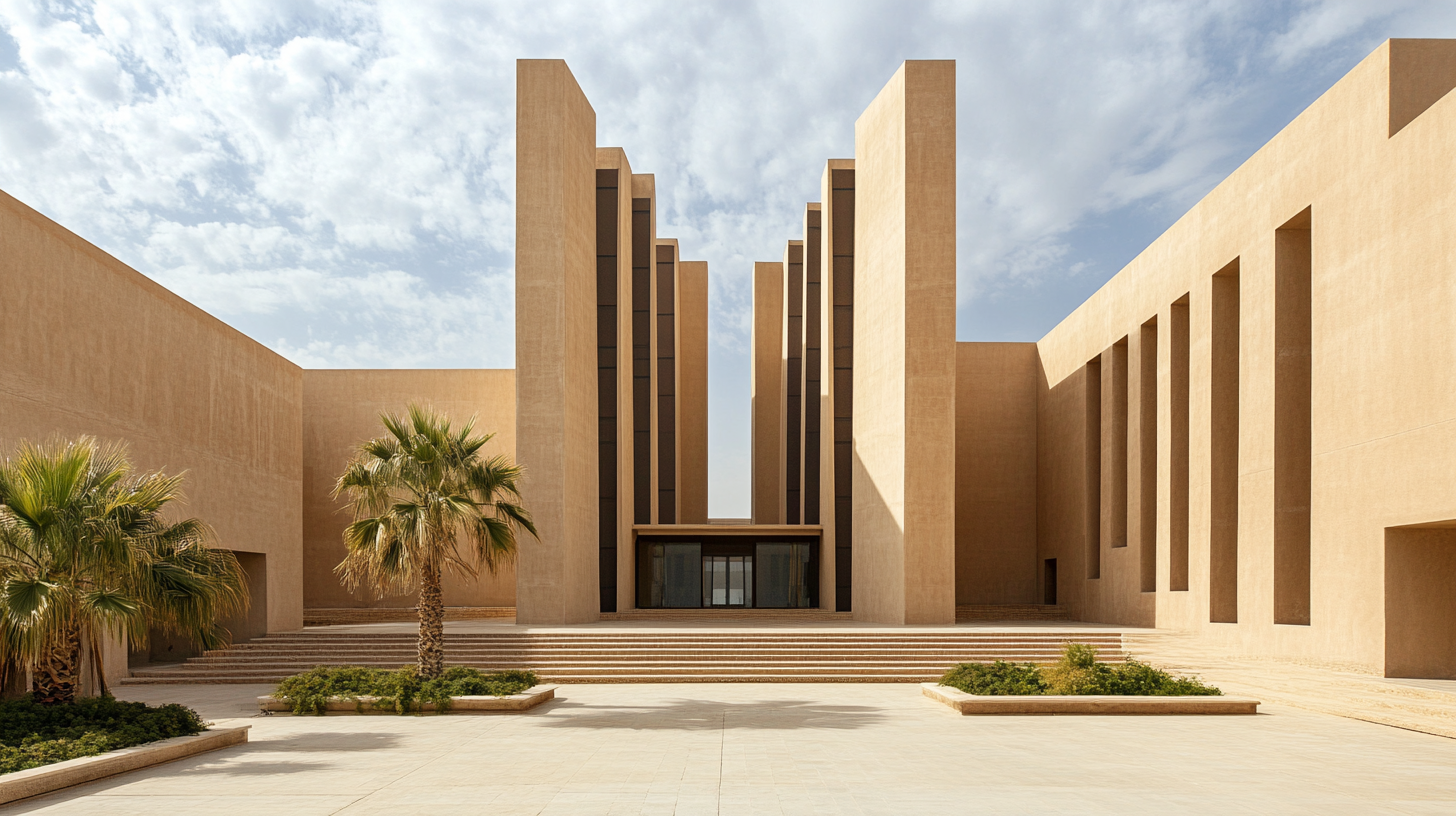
[(788, 748)]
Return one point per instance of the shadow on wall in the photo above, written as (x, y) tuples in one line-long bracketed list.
[(879, 551), (1420, 600)]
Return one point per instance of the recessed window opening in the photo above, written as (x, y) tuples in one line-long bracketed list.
[(1292, 419), (1148, 456), (1115, 440), (1223, 488), (1178, 442), (1092, 468)]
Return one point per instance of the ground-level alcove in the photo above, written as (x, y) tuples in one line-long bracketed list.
[(1420, 600)]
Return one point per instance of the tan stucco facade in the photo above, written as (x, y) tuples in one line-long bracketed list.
[(1366, 175), (556, 378), (693, 393), (904, 350), (1246, 435), (90, 346), (341, 409), (766, 379), (995, 473)]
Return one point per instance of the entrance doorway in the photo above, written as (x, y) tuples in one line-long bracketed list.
[(727, 573), (728, 580)]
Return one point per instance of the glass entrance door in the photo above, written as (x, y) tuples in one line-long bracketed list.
[(728, 580)]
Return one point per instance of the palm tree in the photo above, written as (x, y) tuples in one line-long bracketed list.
[(85, 552), (419, 494)]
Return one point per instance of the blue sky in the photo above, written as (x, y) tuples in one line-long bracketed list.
[(336, 179)]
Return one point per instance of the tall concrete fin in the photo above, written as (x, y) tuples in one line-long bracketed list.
[(904, 349), (556, 365)]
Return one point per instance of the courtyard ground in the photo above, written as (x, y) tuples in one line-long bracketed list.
[(776, 748)]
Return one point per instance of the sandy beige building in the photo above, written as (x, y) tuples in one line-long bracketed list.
[(1246, 435)]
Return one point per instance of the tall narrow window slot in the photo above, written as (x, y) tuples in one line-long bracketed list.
[(642, 361), (842, 189), (666, 384), (1223, 481), (812, 363), (1115, 446), (1292, 419), (607, 232), (1148, 456), (1178, 441), (1092, 466), (793, 381)]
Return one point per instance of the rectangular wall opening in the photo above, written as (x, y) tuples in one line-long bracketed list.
[(1420, 601), (607, 231), (666, 384), (842, 189), (1178, 441), (813, 373), (1115, 446), (641, 361), (793, 382), (1148, 456), (1223, 482), (1092, 466), (1049, 582), (1292, 419)]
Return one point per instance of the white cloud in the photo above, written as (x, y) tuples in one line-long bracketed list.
[(336, 177)]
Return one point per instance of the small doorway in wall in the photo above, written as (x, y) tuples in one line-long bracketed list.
[(1420, 601), (253, 623), (1049, 582)]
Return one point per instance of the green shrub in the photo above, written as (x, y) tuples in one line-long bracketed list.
[(32, 735), (1078, 672), (402, 690), (999, 678)]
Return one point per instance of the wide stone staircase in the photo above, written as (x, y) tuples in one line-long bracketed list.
[(647, 656)]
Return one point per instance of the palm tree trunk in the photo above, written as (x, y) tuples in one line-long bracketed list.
[(58, 672), (432, 624)]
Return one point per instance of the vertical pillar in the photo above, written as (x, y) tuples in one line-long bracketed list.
[(693, 392), (904, 350), (556, 355), (766, 392)]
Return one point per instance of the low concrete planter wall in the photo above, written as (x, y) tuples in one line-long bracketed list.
[(1085, 704), (48, 778), (530, 698)]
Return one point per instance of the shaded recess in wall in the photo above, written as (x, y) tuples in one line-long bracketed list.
[(1223, 487)]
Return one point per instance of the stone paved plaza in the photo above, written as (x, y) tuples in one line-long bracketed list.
[(777, 748)]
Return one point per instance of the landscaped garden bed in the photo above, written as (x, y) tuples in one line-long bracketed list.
[(361, 690), (1078, 684), (32, 735)]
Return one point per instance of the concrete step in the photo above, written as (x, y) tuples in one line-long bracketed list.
[(767, 656)]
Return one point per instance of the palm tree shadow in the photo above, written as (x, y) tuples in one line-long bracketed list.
[(712, 715)]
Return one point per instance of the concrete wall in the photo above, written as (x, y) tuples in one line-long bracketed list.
[(995, 477), (766, 390), (904, 349), (1367, 160), (556, 384), (341, 409), (693, 392), (90, 346)]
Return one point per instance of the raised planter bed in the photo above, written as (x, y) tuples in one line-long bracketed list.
[(530, 698), (48, 778), (1085, 704)]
